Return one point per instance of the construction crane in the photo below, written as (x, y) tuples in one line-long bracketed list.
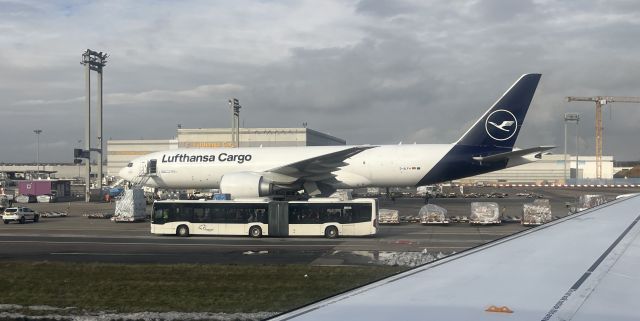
[(602, 100)]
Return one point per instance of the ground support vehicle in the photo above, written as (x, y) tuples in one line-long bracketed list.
[(20, 215)]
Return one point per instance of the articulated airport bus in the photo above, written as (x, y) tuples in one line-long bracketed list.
[(317, 217)]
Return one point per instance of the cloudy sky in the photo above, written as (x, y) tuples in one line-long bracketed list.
[(378, 72)]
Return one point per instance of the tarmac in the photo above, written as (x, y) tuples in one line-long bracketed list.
[(76, 238)]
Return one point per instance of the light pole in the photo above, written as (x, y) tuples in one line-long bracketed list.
[(570, 117), (577, 146), (235, 121), (38, 132), (79, 146), (93, 61)]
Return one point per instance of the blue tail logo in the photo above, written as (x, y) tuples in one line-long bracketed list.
[(501, 125), (498, 128)]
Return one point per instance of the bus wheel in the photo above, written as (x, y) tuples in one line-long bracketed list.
[(183, 231), (331, 232), (255, 231)]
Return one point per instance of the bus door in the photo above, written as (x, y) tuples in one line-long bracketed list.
[(347, 221)]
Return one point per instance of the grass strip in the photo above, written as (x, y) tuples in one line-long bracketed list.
[(182, 287)]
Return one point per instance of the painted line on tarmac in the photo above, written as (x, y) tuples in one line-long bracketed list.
[(374, 247), (422, 242), (476, 233), (106, 254), (171, 244), (73, 229)]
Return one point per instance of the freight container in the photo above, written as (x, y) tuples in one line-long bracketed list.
[(485, 213), (387, 216), (536, 213), (587, 201), (433, 214), (131, 207)]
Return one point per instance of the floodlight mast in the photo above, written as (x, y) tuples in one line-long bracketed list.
[(37, 132), (570, 117), (93, 61)]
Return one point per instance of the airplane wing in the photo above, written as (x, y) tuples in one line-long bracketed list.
[(582, 267), (317, 168), (512, 154)]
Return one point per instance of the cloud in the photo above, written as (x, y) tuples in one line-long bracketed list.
[(199, 93), (48, 102), (367, 71)]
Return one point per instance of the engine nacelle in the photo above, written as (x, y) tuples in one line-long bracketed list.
[(245, 185)]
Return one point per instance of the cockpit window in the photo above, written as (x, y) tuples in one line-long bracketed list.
[(130, 165)]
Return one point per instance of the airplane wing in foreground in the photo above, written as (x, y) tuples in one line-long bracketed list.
[(582, 267)]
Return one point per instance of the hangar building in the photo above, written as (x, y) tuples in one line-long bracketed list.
[(549, 169)]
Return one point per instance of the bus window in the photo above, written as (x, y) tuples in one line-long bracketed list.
[(298, 213), (361, 213), (199, 215), (161, 214), (261, 216), (181, 212), (217, 214), (236, 215), (332, 215)]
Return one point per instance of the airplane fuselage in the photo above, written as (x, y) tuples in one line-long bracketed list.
[(386, 165), (254, 171)]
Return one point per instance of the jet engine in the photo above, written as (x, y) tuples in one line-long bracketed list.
[(245, 185)]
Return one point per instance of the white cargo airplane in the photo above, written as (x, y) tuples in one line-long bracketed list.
[(320, 170)]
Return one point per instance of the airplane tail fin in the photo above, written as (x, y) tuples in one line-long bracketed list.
[(500, 125), (488, 145)]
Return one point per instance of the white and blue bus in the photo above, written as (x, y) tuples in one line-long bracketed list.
[(317, 217)]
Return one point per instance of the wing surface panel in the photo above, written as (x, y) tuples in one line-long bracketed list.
[(535, 273)]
